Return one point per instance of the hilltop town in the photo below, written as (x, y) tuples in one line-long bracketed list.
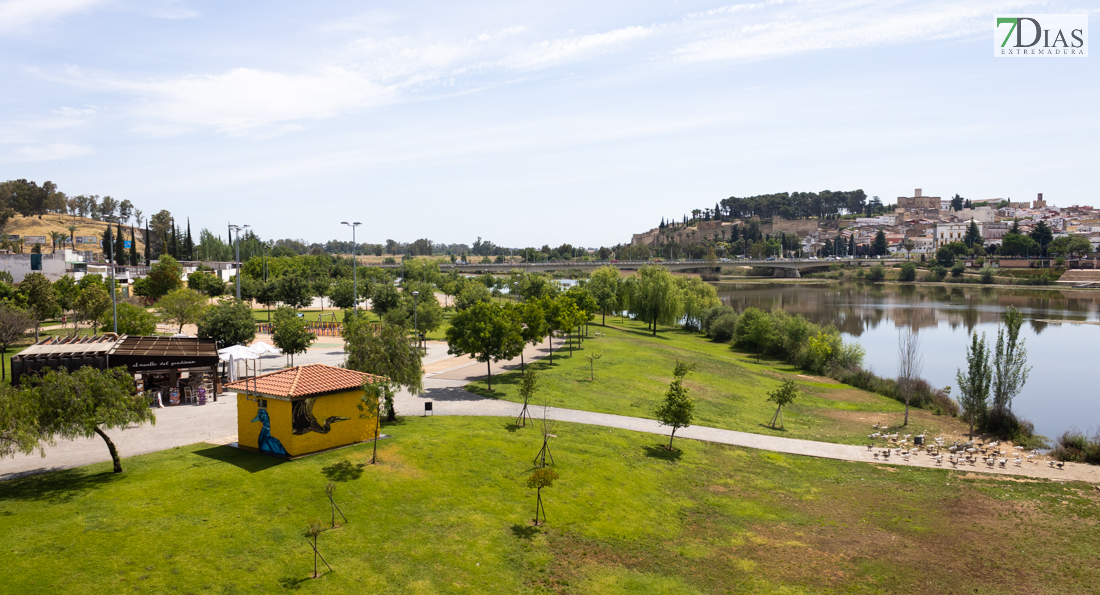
[(928, 222)]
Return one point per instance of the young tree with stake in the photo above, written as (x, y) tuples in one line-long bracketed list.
[(528, 385), (910, 363), (784, 395), (541, 478)]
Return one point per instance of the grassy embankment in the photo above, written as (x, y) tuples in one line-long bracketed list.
[(85, 226), (730, 387), (447, 511)]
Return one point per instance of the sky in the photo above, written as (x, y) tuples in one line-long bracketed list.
[(530, 123)]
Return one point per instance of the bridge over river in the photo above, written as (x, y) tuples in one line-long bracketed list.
[(787, 267)]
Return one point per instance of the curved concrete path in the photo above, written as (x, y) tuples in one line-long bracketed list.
[(444, 385)]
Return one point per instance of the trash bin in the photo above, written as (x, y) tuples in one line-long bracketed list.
[(918, 440)]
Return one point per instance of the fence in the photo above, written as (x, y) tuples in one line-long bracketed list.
[(321, 329)]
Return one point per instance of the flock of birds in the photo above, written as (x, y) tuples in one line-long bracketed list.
[(992, 454)]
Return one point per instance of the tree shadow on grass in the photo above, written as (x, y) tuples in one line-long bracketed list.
[(769, 427), (525, 531), (242, 459), (662, 452), (56, 486), (343, 471), (511, 427), (291, 583)]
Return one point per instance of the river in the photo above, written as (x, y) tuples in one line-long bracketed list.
[(1062, 390)]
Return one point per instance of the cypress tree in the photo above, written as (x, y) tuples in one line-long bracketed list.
[(175, 250), (120, 248), (133, 247), (108, 242), (189, 245)]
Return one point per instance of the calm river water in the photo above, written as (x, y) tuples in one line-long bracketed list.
[(1064, 387)]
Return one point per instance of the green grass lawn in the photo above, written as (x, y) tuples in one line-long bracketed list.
[(447, 511), (730, 387)]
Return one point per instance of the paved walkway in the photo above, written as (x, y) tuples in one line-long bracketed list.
[(444, 382)]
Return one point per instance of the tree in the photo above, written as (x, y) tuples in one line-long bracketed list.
[(40, 297), (182, 306), (228, 323), (19, 431), (528, 386), (165, 276), (1017, 244), (290, 333), (880, 246), (205, 283), (908, 272), (133, 248), (908, 245), (957, 202), (877, 273), (472, 293), (541, 478), (384, 297), (86, 403), (484, 332), (132, 320), (376, 390), (119, 252), (342, 294), (784, 395), (592, 359), (1042, 235), (945, 256), (1010, 369), (322, 288), (383, 350), (677, 410), (910, 364), (973, 235), (604, 285), (294, 290), (313, 529), (92, 304), (755, 328), (532, 323), (14, 323), (974, 383), (655, 298)]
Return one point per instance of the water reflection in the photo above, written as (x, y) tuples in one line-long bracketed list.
[(855, 308), (1062, 389)]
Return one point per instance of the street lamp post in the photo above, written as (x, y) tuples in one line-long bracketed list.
[(238, 228), (111, 261), (354, 279)]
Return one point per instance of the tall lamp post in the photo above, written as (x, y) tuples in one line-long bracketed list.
[(354, 279), (111, 261), (237, 259)]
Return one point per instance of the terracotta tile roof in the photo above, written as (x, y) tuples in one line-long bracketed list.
[(303, 381)]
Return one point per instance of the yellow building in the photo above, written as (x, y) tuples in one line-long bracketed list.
[(302, 410)]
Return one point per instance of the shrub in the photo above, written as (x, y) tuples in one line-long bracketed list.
[(723, 328), (712, 314), (908, 272), (957, 269), (987, 274), (1075, 447), (878, 273)]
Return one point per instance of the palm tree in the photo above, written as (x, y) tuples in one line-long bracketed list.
[(72, 235), (55, 237)]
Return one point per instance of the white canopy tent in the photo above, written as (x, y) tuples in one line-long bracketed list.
[(264, 348), (234, 354)]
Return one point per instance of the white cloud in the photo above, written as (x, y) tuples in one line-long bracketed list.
[(809, 26), (558, 51), (246, 99), (53, 152), (74, 112), (16, 14)]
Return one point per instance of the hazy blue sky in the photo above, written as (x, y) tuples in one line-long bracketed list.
[(526, 123)]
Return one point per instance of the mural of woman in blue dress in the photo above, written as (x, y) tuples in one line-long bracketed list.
[(268, 443)]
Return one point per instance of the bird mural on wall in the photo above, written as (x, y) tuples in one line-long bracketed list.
[(304, 421), (267, 442)]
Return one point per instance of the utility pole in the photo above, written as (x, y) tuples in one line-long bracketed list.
[(237, 259), (354, 278)]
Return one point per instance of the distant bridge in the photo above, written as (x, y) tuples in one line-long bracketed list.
[(787, 267)]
